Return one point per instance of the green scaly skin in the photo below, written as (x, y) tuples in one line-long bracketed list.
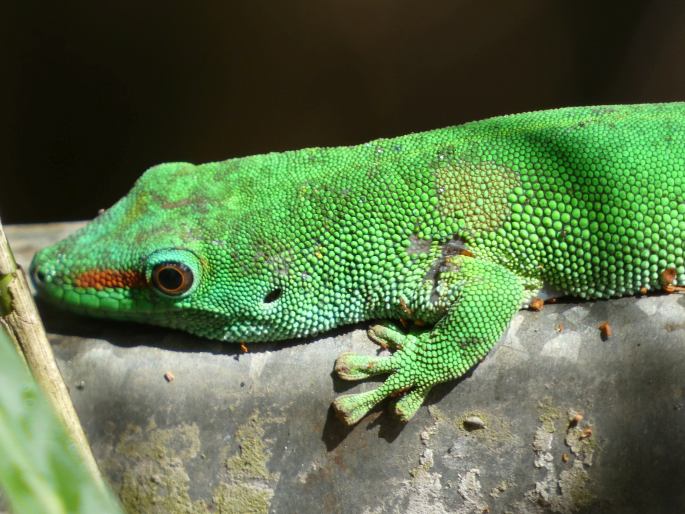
[(454, 229)]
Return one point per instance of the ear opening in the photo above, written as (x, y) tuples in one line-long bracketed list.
[(274, 295)]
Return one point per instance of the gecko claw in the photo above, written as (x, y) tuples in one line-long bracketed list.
[(352, 366), (351, 408)]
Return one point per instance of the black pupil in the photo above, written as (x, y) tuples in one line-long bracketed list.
[(170, 278)]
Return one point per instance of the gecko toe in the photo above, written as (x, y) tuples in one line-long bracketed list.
[(352, 366)]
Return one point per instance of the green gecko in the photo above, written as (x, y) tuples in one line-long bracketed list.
[(451, 230)]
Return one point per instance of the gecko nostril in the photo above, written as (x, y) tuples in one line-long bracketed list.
[(39, 275)]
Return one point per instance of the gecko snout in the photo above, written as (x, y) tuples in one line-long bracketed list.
[(40, 272)]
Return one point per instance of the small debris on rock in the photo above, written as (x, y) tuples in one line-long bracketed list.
[(425, 436), (536, 304), (644, 290), (587, 433), (474, 423), (565, 457), (574, 420), (169, 376), (426, 458), (559, 327), (81, 385), (605, 330), (455, 451), (499, 489)]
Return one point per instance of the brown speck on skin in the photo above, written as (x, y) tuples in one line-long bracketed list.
[(467, 253), (400, 392), (564, 457), (169, 376), (244, 348), (605, 330), (644, 290), (405, 308), (419, 322), (536, 304), (668, 276)]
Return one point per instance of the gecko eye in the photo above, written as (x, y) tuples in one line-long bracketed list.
[(172, 278)]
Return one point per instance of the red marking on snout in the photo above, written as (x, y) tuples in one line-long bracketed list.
[(110, 278)]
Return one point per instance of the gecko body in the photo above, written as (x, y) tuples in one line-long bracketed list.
[(452, 229)]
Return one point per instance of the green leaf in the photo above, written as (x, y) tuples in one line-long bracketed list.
[(40, 469)]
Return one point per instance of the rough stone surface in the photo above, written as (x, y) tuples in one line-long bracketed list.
[(253, 432)]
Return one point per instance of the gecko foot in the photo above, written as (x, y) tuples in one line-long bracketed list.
[(401, 383), (351, 408)]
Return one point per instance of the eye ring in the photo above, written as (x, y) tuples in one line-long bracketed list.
[(172, 278)]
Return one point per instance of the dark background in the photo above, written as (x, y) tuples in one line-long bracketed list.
[(97, 92)]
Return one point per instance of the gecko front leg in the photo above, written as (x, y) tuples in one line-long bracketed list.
[(483, 297)]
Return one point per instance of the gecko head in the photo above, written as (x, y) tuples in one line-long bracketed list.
[(175, 252)]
